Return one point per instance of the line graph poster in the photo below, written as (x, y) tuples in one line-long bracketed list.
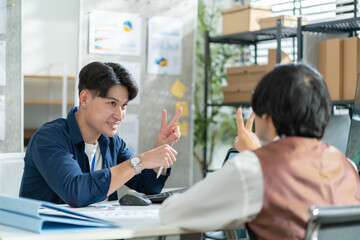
[(114, 33), (164, 45)]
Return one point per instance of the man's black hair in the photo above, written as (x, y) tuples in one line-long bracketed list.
[(296, 98), (99, 77)]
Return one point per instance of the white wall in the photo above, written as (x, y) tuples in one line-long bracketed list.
[(13, 89), (50, 36), (50, 42)]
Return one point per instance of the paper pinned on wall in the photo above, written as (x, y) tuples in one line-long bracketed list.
[(178, 89), (2, 117), (2, 63), (114, 33), (184, 105), (128, 130), (164, 45), (135, 69), (2, 16), (183, 128)]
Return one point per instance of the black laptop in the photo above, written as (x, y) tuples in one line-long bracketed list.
[(230, 154)]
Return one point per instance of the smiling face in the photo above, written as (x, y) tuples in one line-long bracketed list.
[(102, 115)]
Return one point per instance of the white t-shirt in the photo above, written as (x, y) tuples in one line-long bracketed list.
[(92, 150)]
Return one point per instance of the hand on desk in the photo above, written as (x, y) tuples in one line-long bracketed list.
[(246, 139)]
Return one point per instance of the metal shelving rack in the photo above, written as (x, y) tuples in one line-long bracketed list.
[(242, 39), (350, 26)]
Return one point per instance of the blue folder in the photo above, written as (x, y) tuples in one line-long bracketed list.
[(32, 215)]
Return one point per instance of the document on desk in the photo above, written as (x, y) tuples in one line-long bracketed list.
[(113, 211), (40, 216)]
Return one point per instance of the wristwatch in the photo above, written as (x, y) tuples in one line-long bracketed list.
[(135, 162)]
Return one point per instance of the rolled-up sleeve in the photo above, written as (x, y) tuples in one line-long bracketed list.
[(226, 198)]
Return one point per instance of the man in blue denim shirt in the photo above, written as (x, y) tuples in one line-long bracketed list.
[(81, 160)]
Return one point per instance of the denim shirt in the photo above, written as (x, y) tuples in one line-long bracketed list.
[(57, 169)]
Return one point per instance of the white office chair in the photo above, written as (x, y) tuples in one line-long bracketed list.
[(333, 222), (11, 170)]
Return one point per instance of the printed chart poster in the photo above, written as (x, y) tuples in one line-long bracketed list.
[(164, 46), (114, 33), (135, 69), (129, 131)]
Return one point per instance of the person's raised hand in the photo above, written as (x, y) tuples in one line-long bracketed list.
[(169, 133), (246, 139)]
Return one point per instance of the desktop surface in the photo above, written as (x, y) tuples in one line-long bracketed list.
[(135, 221)]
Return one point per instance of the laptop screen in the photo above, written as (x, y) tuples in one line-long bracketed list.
[(353, 144)]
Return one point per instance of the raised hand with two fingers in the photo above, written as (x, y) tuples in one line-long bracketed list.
[(169, 133), (246, 139)]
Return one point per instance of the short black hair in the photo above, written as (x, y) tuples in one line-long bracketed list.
[(99, 77), (296, 98)]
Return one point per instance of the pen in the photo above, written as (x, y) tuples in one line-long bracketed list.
[(159, 172)]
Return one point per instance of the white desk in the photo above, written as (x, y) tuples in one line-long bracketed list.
[(130, 228)]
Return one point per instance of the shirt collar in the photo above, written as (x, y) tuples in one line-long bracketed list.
[(263, 143), (75, 132)]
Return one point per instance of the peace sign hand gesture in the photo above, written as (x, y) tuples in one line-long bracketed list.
[(246, 139), (169, 133)]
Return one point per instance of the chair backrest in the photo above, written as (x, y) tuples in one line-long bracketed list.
[(333, 222), (11, 170)]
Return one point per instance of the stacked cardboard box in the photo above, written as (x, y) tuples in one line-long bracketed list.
[(248, 17), (339, 63), (243, 80), (286, 21), (243, 18)]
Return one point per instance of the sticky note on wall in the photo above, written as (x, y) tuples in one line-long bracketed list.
[(178, 89), (184, 105), (183, 128)]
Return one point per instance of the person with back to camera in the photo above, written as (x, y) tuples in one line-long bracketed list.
[(272, 187), (81, 160)]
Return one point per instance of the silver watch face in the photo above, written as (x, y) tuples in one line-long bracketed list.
[(135, 161)]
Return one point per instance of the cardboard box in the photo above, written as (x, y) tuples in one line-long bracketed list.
[(285, 59), (351, 66), (243, 18), (241, 92), (286, 21), (251, 73), (243, 80), (245, 74), (331, 55)]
